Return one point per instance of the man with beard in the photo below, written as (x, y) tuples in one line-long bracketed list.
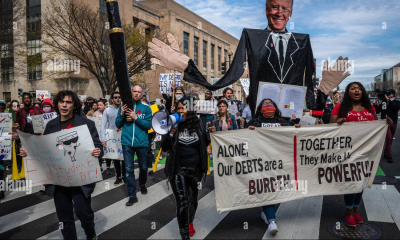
[(24, 115), (109, 116)]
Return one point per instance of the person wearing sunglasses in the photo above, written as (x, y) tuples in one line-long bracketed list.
[(109, 116), (269, 115)]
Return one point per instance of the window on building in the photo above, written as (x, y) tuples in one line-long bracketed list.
[(212, 59), (219, 62), (186, 43), (196, 50), (7, 41), (33, 20), (7, 96), (204, 57), (7, 62), (103, 9), (225, 54)]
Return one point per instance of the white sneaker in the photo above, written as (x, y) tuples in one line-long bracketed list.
[(272, 228), (263, 217)]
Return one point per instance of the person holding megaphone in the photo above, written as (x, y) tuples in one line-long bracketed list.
[(186, 163)]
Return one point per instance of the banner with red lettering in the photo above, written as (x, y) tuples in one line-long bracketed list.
[(63, 158), (254, 168)]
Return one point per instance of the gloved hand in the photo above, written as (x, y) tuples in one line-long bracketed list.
[(333, 76), (168, 56)]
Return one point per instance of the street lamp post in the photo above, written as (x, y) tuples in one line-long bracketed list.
[(230, 55)]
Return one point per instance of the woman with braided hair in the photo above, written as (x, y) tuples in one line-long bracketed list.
[(222, 120)]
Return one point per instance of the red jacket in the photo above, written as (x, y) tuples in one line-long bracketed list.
[(21, 116)]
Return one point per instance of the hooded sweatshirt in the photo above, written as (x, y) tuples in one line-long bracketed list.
[(108, 121)]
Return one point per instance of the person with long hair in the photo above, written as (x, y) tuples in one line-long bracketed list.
[(355, 107), (269, 115), (224, 120), (186, 164)]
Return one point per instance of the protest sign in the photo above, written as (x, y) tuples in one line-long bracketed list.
[(206, 106), (5, 139), (254, 168), (114, 147), (246, 85), (63, 158), (307, 120), (220, 91), (39, 122), (97, 122), (166, 81), (289, 98), (43, 94), (82, 97)]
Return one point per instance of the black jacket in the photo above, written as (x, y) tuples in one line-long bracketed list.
[(54, 126), (392, 110), (171, 144), (256, 47)]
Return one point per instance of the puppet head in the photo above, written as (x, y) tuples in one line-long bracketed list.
[(278, 13)]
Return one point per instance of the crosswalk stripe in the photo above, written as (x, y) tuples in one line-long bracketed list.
[(375, 205), (206, 219), (392, 198), (299, 219), (37, 211), (18, 192), (116, 213)]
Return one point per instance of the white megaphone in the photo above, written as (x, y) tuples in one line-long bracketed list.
[(162, 122)]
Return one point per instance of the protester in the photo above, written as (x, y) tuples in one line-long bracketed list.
[(21, 105), (269, 115), (135, 140), (246, 115), (24, 114), (37, 105), (179, 93), (109, 116), (330, 105), (14, 109), (391, 110), (47, 106), (8, 106), (88, 105), (93, 110), (224, 120), (186, 164), (3, 108), (355, 107)]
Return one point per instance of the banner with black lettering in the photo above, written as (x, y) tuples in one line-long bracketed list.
[(254, 168)]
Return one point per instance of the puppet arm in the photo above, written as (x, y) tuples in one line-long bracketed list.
[(333, 76), (168, 56)]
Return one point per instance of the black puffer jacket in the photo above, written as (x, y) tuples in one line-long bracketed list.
[(171, 144)]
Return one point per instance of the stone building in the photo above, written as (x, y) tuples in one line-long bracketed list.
[(389, 79), (202, 41)]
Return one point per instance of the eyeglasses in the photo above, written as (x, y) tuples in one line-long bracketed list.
[(117, 97)]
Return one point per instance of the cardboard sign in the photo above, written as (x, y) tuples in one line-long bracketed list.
[(5, 139), (39, 122), (166, 81), (113, 150), (43, 94), (63, 158)]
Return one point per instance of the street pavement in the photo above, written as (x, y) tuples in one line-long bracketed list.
[(153, 217)]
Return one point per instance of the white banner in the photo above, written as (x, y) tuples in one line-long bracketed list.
[(166, 81), (43, 94), (39, 122), (63, 158), (5, 139), (246, 85), (114, 147), (266, 166)]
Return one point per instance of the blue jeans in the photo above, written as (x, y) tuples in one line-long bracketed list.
[(353, 200), (269, 212), (129, 159)]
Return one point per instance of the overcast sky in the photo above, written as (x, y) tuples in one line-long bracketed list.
[(352, 28)]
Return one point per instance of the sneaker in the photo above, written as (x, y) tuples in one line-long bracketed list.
[(151, 172), (43, 190), (351, 222), (358, 218), (272, 228), (132, 201), (263, 217), (191, 230), (143, 190), (109, 172), (117, 182)]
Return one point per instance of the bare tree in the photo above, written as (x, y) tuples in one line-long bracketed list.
[(77, 31)]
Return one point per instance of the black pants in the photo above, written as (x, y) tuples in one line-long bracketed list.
[(108, 162), (184, 187), (150, 155), (70, 200), (117, 165)]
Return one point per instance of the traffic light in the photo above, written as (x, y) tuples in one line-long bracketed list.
[(223, 68), (20, 92)]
